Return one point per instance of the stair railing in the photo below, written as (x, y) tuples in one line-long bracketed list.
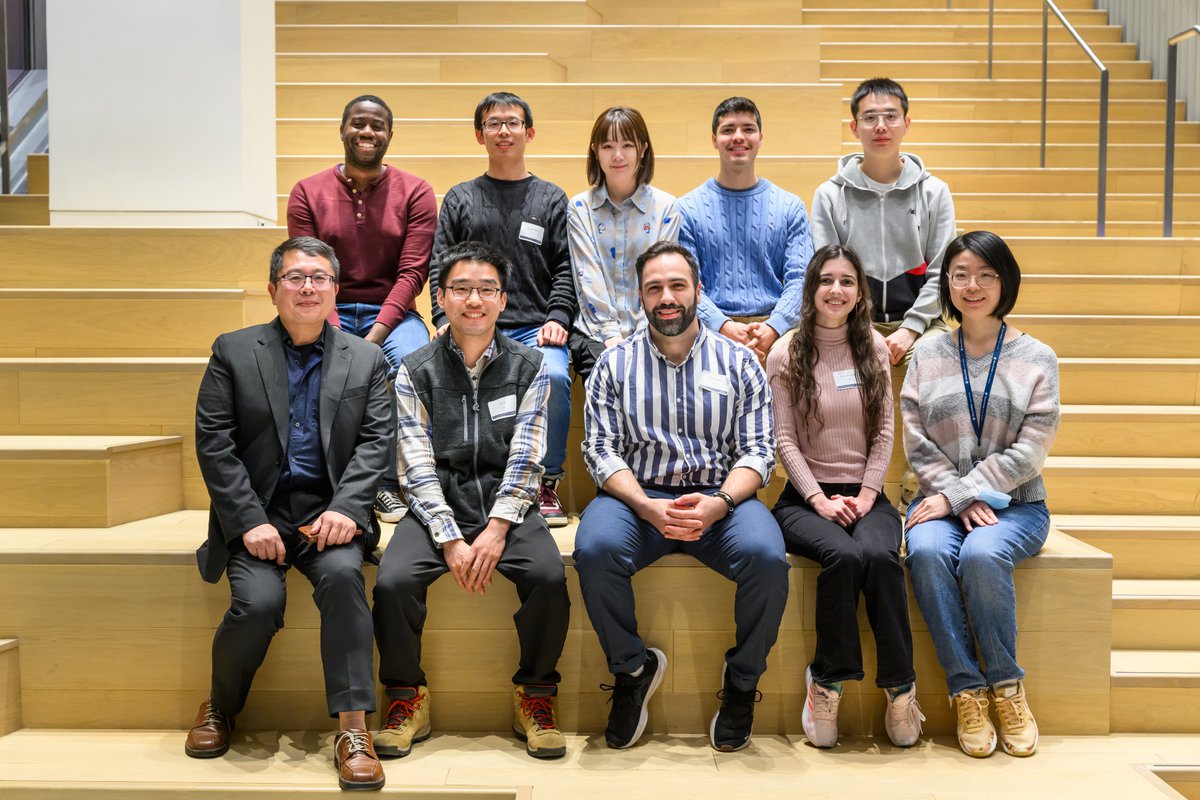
[(1169, 157)]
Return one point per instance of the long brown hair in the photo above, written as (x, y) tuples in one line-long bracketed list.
[(803, 354)]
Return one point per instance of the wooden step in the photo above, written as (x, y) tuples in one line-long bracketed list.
[(978, 69), (1133, 381), (1156, 614), (903, 51), (938, 155), (867, 29), (1125, 336), (1027, 88), (1064, 599), (1112, 485), (1182, 779), (1083, 229), (24, 209), (436, 12), (1109, 256), (423, 67), (88, 481), (953, 17), (939, 5), (1143, 295), (124, 322), (107, 397), (1156, 691), (10, 687), (1076, 206), (38, 167), (702, 12), (1147, 547), (1129, 431)]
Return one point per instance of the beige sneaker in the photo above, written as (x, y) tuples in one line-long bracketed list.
[(1018, 729), (976, 735), (534, 721), (407, 721)]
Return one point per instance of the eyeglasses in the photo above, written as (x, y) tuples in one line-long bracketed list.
[(890, 118), (296, 280), (985, 280), (461, 292), (514, 125)]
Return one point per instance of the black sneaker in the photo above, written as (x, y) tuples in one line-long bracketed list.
[(630, 696), (732, 724), (389, 507)]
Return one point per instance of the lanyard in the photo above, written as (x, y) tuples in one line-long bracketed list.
[(978, 420)]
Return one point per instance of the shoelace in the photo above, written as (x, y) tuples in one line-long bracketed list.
[(825, 701), (1011, 711), (401, 710), (212, 716), (540, 710), (906, 706), (358, 743), (971, 710)]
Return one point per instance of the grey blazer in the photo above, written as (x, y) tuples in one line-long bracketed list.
[(241, 430)]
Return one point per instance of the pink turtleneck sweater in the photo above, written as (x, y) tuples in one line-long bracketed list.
[(836, 452)]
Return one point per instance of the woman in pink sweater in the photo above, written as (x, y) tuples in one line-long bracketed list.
[(833, 420)]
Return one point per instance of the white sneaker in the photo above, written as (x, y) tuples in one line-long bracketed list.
[(820, 712), (903, 718), (1018, 729), (976, 734)]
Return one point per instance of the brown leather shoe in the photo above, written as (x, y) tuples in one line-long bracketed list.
[(209, 735), (358, 766)]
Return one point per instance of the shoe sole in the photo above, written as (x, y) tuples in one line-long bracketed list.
[(205, 753), (712, 728), (389, 516), (1021, 754), (557, 522), (544, 752), (391, 751), (351, 786), (645, 715)]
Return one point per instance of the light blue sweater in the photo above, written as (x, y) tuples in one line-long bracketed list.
[(752, 245)]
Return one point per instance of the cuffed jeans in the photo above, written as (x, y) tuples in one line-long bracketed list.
[(861, 559), (964, 587), (613, 543), (558, 364), (409, 334)]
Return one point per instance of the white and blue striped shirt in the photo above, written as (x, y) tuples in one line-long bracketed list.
[(684, 426)]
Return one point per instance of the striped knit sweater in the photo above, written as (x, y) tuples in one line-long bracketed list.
[(836, 451), (1022, 418)]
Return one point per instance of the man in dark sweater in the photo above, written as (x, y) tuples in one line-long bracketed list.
[(526, 219), (471, 480), (379, 220)]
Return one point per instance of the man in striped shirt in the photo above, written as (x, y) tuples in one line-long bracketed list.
[(678, 437), (471, 430)]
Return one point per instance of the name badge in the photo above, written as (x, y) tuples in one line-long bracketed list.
[(531, 233), (845, 379), (503, 407), (715, 382)]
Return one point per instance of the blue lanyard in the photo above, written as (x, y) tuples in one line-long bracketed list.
[(978, 420)]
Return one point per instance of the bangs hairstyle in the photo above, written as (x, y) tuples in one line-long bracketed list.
[(994, 252), (479, 252), (614, 124), (884, 87), (500, 100), (804, 355)]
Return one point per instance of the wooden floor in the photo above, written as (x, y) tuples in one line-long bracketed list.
[(123, 763)]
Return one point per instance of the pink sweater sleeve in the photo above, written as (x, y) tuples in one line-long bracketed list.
[(786, 437)]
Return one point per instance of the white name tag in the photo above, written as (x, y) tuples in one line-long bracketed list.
[(845, 379), (503, 407), (531, 233), (715, 382)]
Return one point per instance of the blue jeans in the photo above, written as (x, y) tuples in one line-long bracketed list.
[(613, 543), (964, 586), (558, 363), (411, 334)]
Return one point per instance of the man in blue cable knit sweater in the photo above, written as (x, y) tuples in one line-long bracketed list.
[(751, 238)]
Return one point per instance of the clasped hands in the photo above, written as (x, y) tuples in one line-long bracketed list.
[(686, 517), (758, 336), (937, 506), (472, 565)]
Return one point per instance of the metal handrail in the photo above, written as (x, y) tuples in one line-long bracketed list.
[(5, 140), (1169, 159), (991, 30), (1102, 169)]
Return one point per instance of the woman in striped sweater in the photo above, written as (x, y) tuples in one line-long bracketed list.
[(980, 408), (833, 421)]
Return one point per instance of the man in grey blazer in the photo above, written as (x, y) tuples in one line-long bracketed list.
[(292, 425)]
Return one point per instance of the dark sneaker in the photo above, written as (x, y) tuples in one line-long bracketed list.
[(733, 722), (389, 507), (552, 508), (630, 697)]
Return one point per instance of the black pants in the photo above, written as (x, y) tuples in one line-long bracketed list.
[(531, 560), (585, 352), (258, 595), (862, 558)]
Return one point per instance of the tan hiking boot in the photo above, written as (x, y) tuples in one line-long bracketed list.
[(407, 721), (1018, 729), (976, 734), (534, 720)]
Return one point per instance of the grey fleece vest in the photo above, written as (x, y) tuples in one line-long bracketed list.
[(471, 429)]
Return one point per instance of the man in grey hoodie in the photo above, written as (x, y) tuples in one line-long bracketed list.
[(893, 213)]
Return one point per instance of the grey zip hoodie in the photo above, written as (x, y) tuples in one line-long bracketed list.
[(900, 234)]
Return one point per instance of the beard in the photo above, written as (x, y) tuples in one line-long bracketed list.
[(676, 326)]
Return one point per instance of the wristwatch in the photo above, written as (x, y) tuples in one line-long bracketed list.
[(728, 501)]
